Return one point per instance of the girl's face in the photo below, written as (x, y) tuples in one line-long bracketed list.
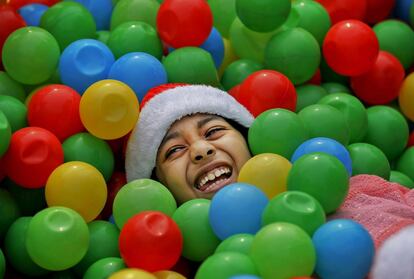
[(199, 155)]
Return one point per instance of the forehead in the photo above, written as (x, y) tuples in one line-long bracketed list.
[(194, 119)]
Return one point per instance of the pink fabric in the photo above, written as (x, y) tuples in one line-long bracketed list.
[(382, 207)]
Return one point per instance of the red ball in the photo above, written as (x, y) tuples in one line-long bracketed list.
[(378, 10), (382, 83), (350, 48), (117, 181), (267, 89), (55, 107), (150, 240), (410, 139), (316, 78), (183, 23), (20, 3), (339, 10), (32, 156)]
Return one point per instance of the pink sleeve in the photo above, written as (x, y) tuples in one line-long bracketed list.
[(382, 207)]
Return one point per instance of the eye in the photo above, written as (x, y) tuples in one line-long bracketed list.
[(172, 150), (213, 131)]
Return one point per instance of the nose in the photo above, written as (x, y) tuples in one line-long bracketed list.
[(201, 150)]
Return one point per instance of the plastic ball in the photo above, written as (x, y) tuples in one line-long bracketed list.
[(214, 44), (18, 58), (79, 186), (229, 57), (381, 84), (237, 208), (224, 12), (378, 10), (32, 156), (402, 9), (134, 10), (267, 171), (68, 21), (267, 89), (103, 268), (10, 87), (2, 264), (109, 109), (57, 238), (142, 195), (15, 249), (15, 112), (350, 47), (85, 62), (335, 87), (322, 176), (168, 274), (191, 65), (193, 220), (397, 38), (326, 145), (276, 131), (329, 75), (292, 47), (238, 71), (405, 163), (179, 28), (115, 183), (101, 12), (354, 112), (56, 108), (16, 4), (276, 263), (325, 121), (10, 209), (309, 94), (406, 97), (344, 249), (368, 159), (239, 243), (32, 13), (344, 10), (150, 240), (5, 133), (139, 70), (224, 265), (132, 273), (402, 179)]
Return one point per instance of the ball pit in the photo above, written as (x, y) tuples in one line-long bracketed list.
[(71, 88)]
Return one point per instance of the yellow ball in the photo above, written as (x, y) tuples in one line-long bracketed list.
[(109, 109), (168, 274), (79, 186), (266, 171), (229, 57), (406, 97), (132, 273)]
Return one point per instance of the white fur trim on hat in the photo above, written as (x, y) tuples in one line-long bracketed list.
[(160, 112)]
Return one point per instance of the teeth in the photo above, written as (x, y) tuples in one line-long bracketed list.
[(213, 175)]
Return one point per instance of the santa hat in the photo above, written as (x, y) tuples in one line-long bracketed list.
[(167, 104)]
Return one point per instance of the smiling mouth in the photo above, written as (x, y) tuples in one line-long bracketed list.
[(214, 179)]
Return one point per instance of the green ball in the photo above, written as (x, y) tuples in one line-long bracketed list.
[(240, 243), (140, 195), (225, 265), (15, 249), (322, 176), (397, 38), (402, 179), (191, 65), (297, 208), (283, 250), (329, 75), (224, 12), (103, 268), (9, 211), (103, 36), (92, 150), (248, 44), (354, 112), (57, 238), (193, 221), (66, 274), (278, 131), (368, 159), (334, 87), (405, 163), (2, 264), (263, 15), (135, 36), (313, 17), (15, 111), (325, 121), (290, 48), (19, 51), (5, 133), (238, 71), (135, 10), (10, 87), (103, 243), (388, 130), (309, 94)]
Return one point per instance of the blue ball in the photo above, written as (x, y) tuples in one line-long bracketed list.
[(326, 145), (101, 11), (215, 46), (85, 62), (237, 208), (402, 10), (32, 13), (344, 250), (140, 71)]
